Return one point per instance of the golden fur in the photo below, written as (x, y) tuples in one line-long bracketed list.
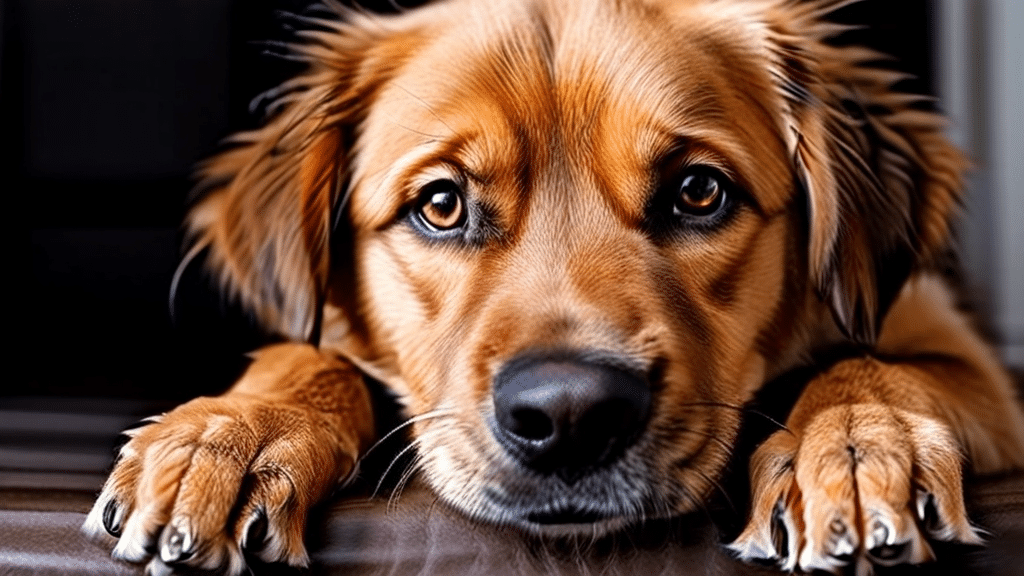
[(561, 123)]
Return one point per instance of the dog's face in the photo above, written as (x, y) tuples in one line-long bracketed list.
[(577, 236), (529, 204)]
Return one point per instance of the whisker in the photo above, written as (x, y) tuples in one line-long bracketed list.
[(662, 508), (308, 22), (412, 446), (697, 504), (285, 57), (409, 470), (439, 413), (396, 493), (407, 475), (425, 105), (717, 486), (351, 504), (743, 409), (711, 437), (279, 44), (434, 501), (433, 137), (193, 251)]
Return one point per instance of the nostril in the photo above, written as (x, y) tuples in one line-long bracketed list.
[(531, 424)]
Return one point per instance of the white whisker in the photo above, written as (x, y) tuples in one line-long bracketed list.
[(412, 446), (439, 413), (406, 475)]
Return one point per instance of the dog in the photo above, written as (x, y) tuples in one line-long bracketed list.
[(574, 239)]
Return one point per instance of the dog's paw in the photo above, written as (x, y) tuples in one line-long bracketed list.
[(217, 480), (861, 485)]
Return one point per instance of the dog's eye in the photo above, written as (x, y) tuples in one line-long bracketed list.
[(694, 199), (701, 193), (441, 205)]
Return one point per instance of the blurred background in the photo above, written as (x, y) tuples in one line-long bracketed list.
[(106, 105)]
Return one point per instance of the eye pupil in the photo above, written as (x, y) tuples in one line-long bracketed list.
[(444, 203), (442, 206), (699, 194)]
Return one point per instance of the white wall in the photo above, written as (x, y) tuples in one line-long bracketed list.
[(980, 58), (1006, 141)]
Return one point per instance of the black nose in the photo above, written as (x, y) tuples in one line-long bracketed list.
[(566, 416)]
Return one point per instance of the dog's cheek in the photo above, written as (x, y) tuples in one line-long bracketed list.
[(723, 311), (758, 327), (411, 302)]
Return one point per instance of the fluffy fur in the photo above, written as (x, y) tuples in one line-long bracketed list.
[(562, 126)]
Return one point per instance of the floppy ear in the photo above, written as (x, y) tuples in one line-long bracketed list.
[(882, 181), (264, 216)]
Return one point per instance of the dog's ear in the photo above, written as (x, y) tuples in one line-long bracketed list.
[(882, 182), (264, 214)]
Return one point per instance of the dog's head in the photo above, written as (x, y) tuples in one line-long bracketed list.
[(576, 237)]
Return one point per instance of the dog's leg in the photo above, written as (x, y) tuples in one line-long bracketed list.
[(869, 467), (217, 477)]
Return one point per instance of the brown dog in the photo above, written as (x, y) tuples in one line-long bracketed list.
[(579, 237)]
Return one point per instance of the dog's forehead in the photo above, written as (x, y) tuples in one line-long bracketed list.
[(593, 95)]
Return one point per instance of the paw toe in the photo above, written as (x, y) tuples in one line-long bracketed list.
[(944, 520), (177, 544), (137, 542), (842, 542), (271, 524)]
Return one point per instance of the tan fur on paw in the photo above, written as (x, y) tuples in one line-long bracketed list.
[(215, 477), (863, 484)]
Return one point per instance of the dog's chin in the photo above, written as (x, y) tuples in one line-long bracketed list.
[(564, 525), (547, 507), (559, 519)]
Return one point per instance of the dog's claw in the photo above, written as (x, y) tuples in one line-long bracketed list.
[(780, 536), (112, 517), (879, 536), (928, 513), (842, 544), (255, 539)]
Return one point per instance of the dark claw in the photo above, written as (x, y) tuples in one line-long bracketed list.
[(930, 516), (256, 532), (112, 519), (780, 536)]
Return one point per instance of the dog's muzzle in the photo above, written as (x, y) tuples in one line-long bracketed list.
[(568, 417)]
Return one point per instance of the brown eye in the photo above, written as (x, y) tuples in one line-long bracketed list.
[(701, 193), (442, 206)]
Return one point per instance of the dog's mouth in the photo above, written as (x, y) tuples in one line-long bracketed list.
[(598, 503), (568, 515)]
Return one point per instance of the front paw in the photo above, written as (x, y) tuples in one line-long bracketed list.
[(861, 484), (216, 479)]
